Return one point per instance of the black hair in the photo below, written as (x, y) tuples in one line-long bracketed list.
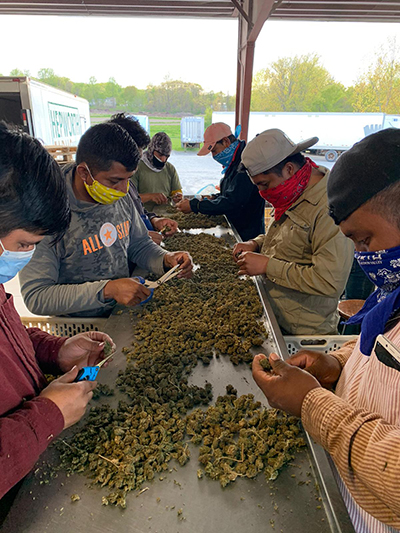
[(232, 139), (33, 192), (104, 144), (386, 203), (132, 126), (297, 159)]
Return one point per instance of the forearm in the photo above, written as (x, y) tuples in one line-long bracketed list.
[(46, 349), (235, 196), (24, 435), (218, 206), (365, 448), (57, 299), (147, 255), (344, 352), (259, 242), (314, 279), (331, 257), (146, 197)]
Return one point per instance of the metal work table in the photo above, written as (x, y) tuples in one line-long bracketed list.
[(303, 499)]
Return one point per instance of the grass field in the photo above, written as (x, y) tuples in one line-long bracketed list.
[(155, 117), (173, 130), (173, 119), (156, 124)]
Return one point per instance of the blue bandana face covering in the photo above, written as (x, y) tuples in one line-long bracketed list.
[(383, 269), (12, 262), (225, 157)]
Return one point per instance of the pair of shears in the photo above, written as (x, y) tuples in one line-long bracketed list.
[(174, 271), (89, 373)]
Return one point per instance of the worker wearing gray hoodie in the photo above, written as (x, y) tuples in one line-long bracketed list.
[(86, 273)]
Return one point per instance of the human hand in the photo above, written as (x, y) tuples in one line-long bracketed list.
[(126, 291), (240, 247), (322, 366), (179, 258), (252, 264), (184, 206), (84, 349), (287, 387), (156, 237), (159, 198), (71, 398), (177, 197), (160, 222)]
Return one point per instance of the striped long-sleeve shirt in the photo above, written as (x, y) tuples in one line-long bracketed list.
[(359, 426)]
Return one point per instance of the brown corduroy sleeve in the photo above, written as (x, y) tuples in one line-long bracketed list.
[(364, 448), (344, 352)]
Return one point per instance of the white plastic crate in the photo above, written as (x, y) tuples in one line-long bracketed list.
[(318, 343), (64, 327)]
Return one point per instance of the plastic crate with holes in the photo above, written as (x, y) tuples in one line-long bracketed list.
[(323, 343), (64, 327)]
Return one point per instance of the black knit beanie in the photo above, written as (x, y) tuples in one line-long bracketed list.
[(360, 173)]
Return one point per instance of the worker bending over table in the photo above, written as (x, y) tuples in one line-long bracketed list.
[(305, 258), (87, 272), (156, 179), (34, 204), (239, 199), (154, 223), (359, 423)]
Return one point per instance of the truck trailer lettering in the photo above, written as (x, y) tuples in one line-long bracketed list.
[(65, 124)]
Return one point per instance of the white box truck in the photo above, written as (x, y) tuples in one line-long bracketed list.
[(53, 116), (337, 132)]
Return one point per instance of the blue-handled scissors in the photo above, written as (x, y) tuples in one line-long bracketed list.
[(89, 373), (154, 284)]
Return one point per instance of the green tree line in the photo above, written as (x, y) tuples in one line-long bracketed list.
[(297, 83)]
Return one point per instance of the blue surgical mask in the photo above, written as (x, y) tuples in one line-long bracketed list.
[(12, 262), (225, 157)]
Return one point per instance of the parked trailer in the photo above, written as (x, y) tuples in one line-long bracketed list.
[(53, 116), (337, 132), (143, 121), (192, 131)]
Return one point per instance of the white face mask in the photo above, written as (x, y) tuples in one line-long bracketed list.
[(12, 262)]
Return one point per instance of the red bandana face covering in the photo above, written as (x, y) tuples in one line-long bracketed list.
[(285, 194)]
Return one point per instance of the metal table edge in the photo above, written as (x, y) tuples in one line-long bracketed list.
[(335, 508)]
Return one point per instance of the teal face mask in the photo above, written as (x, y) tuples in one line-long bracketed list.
[(12, 262), (225, 157)]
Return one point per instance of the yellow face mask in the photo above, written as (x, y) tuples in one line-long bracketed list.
[(102, 194)]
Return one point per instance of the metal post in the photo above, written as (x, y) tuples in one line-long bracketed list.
[(239, 75), (257, 12), (246, 94)]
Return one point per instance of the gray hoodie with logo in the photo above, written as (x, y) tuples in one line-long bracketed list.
[(68, 278)]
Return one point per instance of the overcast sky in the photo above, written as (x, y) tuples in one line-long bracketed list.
[(140, 51)]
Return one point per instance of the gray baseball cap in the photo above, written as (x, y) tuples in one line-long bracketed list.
[(270, 148)]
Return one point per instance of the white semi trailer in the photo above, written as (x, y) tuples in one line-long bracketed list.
[(337, 132), (53, 116)]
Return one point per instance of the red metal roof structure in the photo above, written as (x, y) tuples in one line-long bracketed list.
[(251, 15)]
